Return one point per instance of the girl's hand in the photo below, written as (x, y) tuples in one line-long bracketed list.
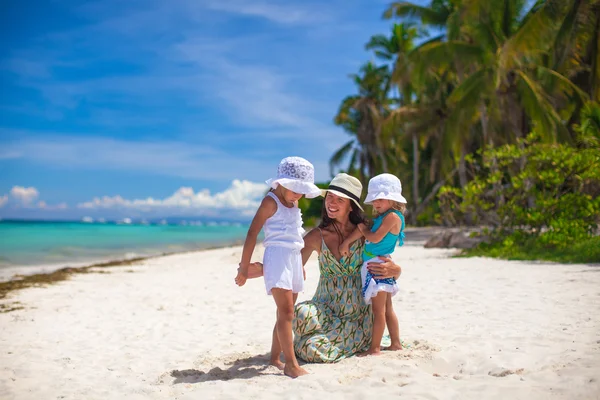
[(241, 277), (304, 272), (385, 269)]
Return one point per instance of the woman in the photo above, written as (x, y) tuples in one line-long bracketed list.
[(336, 323)]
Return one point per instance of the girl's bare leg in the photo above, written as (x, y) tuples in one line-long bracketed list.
[(276, 350), (392, 324), (285, 299), (378, 306), (276, 346)]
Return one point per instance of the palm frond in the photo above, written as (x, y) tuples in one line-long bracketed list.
[(339, 155), (444, 53), (563, 43), (535, 36), (563, 82), (538, 108), (426, 15)]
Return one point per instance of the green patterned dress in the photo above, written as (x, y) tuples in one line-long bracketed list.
[(336, 323)]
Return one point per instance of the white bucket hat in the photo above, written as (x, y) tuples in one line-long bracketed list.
[(345, 186), (385, 186), (297, 175)]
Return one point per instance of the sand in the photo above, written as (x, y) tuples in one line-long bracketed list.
[(176, 327)]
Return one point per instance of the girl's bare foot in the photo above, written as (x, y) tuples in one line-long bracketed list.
[(370, 352), (393, 347), (277, 363), (294, 371)]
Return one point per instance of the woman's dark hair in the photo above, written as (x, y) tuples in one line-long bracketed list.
[(356, 217)]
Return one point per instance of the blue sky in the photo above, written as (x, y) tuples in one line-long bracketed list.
[(158, 107)]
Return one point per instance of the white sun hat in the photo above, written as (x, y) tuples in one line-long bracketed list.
[(297, 175), (385, 186), (345, 186)]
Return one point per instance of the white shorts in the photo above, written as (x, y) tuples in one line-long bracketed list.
[(282, 268), (371, 286)]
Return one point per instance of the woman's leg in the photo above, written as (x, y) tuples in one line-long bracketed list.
[(378, 306), (284, 299), (275, 345), (392, 324)]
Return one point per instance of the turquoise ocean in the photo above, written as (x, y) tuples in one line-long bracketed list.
[(42, 243)]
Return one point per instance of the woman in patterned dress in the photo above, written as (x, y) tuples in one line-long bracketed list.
[(336, 323)]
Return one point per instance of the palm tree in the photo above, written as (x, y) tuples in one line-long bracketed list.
[(504, 87), (496, 71), (361, 115), (396, 49)]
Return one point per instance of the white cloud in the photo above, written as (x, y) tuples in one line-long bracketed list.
[(241, 195), (24, 195)]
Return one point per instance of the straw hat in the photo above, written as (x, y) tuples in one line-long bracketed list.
[(297, 175), (345, 186), (385, 186)]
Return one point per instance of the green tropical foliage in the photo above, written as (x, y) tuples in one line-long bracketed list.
[(457, 77), (450, 102)]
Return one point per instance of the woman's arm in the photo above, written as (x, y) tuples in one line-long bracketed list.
[(386, 269), (312, 242)]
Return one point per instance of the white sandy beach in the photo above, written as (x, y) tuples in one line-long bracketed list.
[(177, 327)]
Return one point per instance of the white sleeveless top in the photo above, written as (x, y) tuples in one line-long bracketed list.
[(284, 228)]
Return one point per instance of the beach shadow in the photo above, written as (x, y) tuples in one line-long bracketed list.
[(243, 368)]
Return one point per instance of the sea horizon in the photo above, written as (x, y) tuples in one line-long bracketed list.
[(35, 244)]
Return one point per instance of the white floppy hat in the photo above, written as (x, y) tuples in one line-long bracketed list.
[(385, 186), (346, 186), (297, 175)]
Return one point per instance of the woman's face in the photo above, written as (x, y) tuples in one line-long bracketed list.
[(337, 206)]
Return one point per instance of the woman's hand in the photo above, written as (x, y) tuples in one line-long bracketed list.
[(255, 270), (386, 269)]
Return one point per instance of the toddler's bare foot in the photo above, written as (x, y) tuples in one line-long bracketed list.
[(294, 371), (277, 363), (393, 347), (370, 352)]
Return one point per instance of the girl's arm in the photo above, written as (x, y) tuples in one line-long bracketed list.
[(390, 221), (266, 210)]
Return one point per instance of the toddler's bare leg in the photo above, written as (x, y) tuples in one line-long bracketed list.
[(392, 324)]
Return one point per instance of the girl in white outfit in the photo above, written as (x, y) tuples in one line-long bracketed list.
[(281, 219)]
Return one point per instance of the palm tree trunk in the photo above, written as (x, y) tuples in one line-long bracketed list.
[(488, 140), (415, 141), (462, 168)]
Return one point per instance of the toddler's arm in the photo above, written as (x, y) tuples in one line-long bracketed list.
[(390, 222), (345, 246)]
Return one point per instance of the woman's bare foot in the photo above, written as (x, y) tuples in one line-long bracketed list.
[(294, 371), (370, 352), (277, 363), (393, 347)]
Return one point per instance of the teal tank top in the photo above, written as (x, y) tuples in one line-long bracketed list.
[(388, 243)]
